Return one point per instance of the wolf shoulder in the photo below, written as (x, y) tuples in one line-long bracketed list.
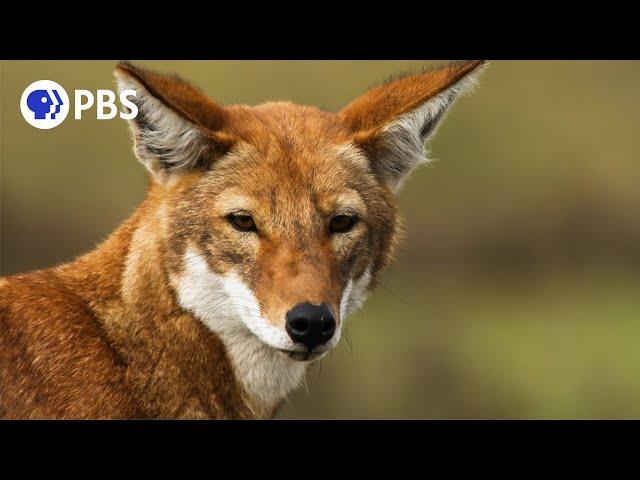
[(54, 359)]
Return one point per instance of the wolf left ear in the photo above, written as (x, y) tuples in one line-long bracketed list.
[(392, 122), (177, 127)]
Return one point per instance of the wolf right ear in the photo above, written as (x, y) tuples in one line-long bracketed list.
[(392, 122), (177, 127)]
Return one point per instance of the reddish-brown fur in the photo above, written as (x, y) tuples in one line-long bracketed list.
[(105, 337)]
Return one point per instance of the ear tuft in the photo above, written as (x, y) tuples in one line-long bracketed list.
[(176, 127), (393, 121)]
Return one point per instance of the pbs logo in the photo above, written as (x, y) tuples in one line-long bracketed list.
[(44, 104)]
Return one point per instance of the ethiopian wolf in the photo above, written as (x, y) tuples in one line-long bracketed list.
[(263, 228)]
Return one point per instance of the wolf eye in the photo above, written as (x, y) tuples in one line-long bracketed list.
[(244, 223), (342, 223)]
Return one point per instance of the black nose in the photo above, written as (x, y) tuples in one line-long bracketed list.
[(310, 325)]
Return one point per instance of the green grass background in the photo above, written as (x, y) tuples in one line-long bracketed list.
[(517, 291)]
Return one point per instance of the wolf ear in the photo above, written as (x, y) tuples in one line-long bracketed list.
[(392, 122), (177, 127)]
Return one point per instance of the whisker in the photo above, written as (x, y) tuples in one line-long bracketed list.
[(348, 344), (397, 296)]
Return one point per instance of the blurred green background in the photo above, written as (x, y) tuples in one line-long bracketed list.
[(517, 291)]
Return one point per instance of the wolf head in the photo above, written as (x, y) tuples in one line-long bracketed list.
[(279, 218)]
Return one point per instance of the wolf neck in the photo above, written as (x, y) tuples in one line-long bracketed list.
[(267, 375), (128, 286)]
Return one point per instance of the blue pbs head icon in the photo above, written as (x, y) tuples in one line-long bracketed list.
[(41, 103), (44, 104)]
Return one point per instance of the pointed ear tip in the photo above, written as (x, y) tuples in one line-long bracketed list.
[(126, 69), (122, 69), (127, 74), (126, 65), (476, 65), (468, 71), (468, 66)]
